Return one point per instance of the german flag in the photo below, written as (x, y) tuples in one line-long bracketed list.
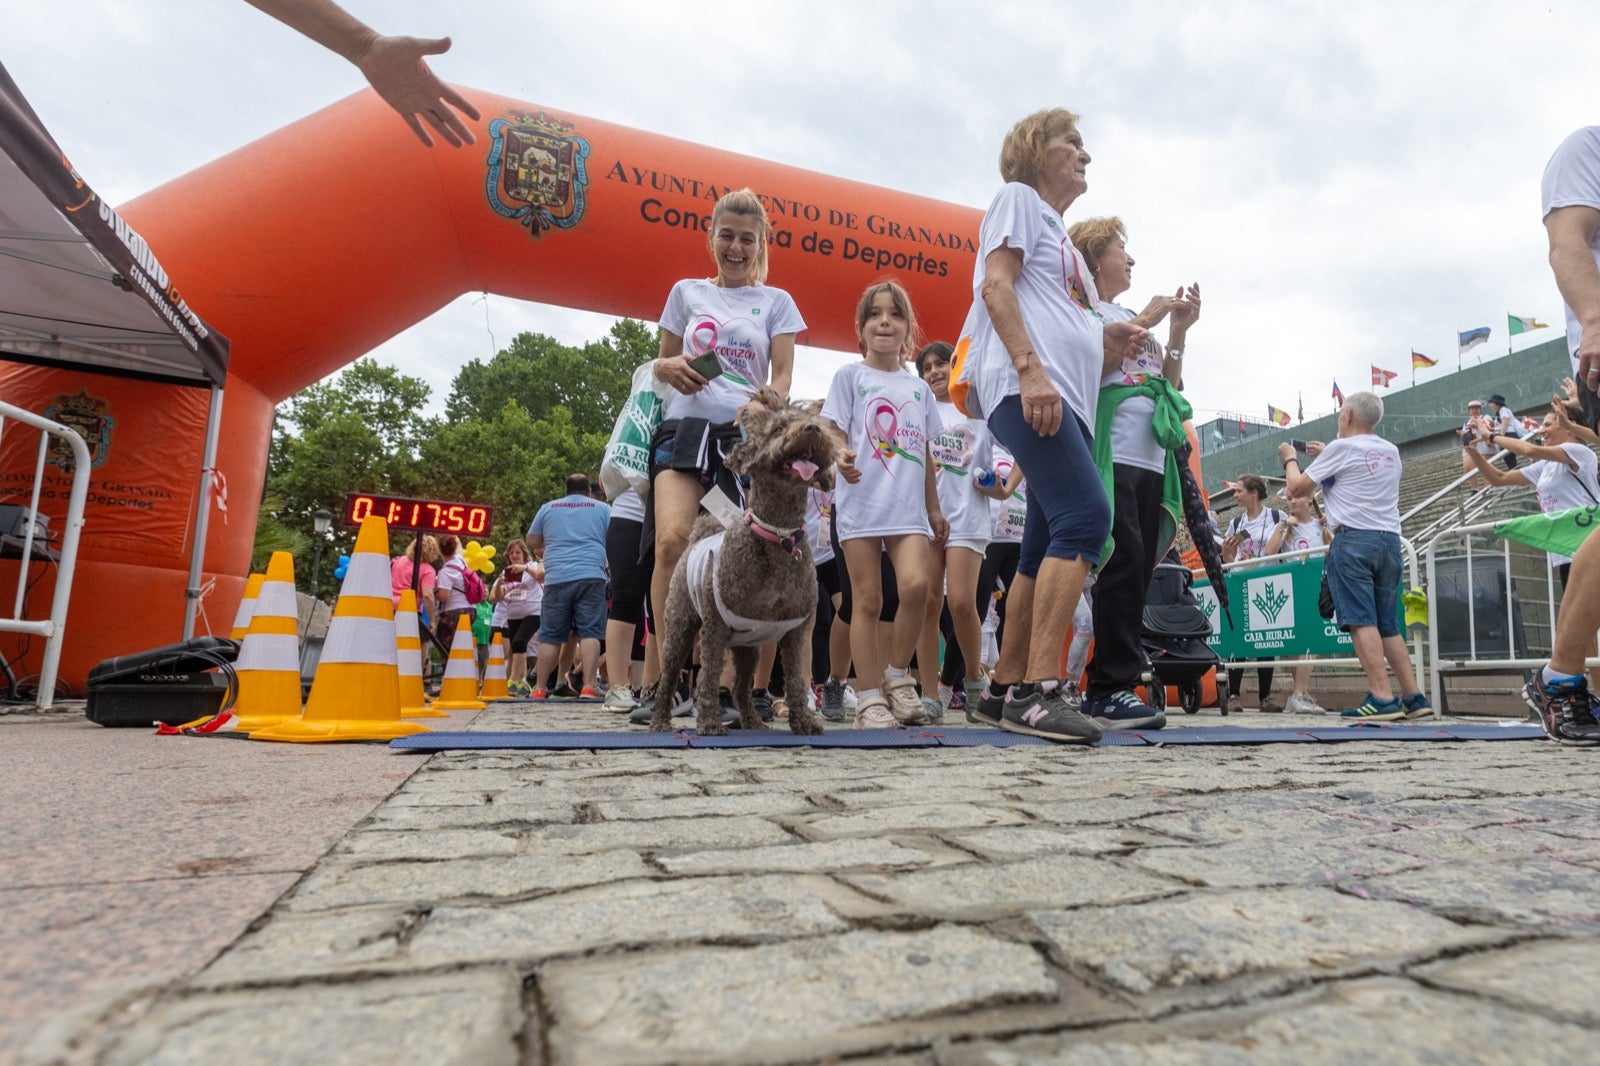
[(1422, 362)]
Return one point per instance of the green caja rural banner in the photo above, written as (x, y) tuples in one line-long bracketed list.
[(1274, 608)]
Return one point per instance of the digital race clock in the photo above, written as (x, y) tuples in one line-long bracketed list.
[(424, 516)]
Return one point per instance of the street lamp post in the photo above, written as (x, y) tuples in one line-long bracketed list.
[(321, 525)]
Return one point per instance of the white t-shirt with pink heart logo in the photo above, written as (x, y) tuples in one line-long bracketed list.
[(736, 324), (888, 418)]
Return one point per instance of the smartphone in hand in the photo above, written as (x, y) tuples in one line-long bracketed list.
[(1298, 445), (706, 365)]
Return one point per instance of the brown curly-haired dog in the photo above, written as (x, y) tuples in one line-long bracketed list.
[(755, 583)]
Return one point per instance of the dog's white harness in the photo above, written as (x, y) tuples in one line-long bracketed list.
[(746, 632)]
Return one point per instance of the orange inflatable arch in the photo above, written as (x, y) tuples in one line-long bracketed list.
[(313, 245)]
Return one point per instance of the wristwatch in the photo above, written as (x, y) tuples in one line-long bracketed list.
[(1174, 353)]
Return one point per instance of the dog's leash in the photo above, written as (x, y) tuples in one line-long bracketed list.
[(787, 539)]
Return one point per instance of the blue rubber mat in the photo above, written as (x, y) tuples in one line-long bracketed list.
[(957, 738)]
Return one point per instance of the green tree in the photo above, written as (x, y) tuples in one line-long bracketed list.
[(542, 375), (514, 462), (358, 432)]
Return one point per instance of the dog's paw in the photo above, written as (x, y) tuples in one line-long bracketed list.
[(711, 727), (805, 725)]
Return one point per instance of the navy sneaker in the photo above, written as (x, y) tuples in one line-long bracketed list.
[(1417, 706), (1123, 710), (762, 699), (1372, 709), (1051, 715), (563, 691), (1565, 709), (987, 709)]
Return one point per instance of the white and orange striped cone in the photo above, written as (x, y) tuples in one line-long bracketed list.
[(247, 607), (494, 674), (268, 666), (356, 692), (459, 692), (408, 659)]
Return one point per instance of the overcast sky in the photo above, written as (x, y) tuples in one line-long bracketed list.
[(1346, 182)]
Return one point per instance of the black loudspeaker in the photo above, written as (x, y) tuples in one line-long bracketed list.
[(174, 684)]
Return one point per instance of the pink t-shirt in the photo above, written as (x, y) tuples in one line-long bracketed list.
[(400, 577)]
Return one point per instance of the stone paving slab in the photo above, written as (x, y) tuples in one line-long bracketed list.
[(1205, 939), (800, 1000), (1364, 1022)]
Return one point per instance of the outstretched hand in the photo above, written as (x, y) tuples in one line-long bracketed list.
[(1186, 307), (395, 67)]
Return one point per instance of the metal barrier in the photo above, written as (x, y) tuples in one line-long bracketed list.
[(1412, 572), (1479, 660), (52, 629)]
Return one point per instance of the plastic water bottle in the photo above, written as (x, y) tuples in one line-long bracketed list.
[(984, 477)]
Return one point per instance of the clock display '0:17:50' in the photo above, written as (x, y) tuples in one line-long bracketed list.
[(425, 516)]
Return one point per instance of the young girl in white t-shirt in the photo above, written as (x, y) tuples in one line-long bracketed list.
[(886, 500), (964, 455)]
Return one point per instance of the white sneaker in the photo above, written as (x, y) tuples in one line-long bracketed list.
[(1299, 704), (850, 698), (620, 700), (874, 713), (904, 702)]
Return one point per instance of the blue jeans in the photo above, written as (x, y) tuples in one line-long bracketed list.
[(573, 607), (1364, 577), (1069, 516)]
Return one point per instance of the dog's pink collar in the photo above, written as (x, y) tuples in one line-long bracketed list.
[(786, 539)]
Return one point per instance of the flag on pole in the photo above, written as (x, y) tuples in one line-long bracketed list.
[(1382, 377), (1517, 324), (1338, 396), (1302, 398), (1216, 435), (1560, 531), (1421, 362), (1471, 338), (1276, 415)]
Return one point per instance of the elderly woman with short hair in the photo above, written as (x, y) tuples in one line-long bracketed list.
[(1038, 346)]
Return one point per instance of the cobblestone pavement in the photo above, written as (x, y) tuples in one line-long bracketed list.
[(1382, 902)]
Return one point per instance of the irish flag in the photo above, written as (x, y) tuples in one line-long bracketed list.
[(1422, 362), (1517, 324)]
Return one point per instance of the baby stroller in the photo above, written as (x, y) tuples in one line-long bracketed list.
[(1174, 634)]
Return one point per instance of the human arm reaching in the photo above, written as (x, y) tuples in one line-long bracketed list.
[(394, 66)]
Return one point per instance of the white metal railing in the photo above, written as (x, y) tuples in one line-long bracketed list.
[(1471, 508), (1441, 664), (1412, 570), (53, 628)]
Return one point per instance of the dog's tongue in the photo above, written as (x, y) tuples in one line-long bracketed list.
[(805, 468)]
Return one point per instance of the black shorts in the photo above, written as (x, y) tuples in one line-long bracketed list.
[(692, 446), (520, 631), (630, 573), (828, 577)]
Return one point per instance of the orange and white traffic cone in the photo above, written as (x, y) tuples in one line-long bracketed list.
[(356, 692), (494, 674), (268, 666), (459, 692), (247, 606), (408, 659)]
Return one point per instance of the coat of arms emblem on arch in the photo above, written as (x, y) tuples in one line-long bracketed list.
[(538, 172)]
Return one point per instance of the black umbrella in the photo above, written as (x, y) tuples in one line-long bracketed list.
[(1198, 519)]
